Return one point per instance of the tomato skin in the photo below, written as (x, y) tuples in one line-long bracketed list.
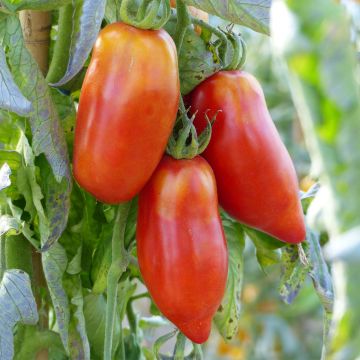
[(123, 124), (255, 176), (181, 244)]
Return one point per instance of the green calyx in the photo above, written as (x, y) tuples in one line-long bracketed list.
[(150, 14), (235, 55), (184, 142)]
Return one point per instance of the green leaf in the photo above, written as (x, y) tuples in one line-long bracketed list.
[(315, 42), (94, 312), (47, 135), (196, 61), (9, 131), (54, 265), (227, 317), (254, 14), (10, 96), (293, 275), (17, 305), (16, 5), (88, 15), (9, 224), (322, 281), (48, 138), (79, 343), (5, 173)]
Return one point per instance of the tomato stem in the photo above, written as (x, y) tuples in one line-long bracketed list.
[(183, 21), (179, 346), (161, 341), (120, 260), (152, 14)]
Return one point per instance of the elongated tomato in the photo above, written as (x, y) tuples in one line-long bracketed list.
[(181, 246), (256, 179), (127, 109)]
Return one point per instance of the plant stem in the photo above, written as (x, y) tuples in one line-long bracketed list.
[(36, 26), (179, 346), (119, 262), (182, 23)]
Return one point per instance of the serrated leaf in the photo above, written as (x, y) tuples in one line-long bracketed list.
[(79, 343), (254, 14), (227, 317), (293, 275), (10, 96), (88, 15), (16, 5), (54, 265), (196, 61), (322, 281), (95, 313), (48, 137), (17, 305), (5, 173)]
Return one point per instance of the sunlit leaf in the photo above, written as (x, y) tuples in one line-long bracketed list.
[(10, 96), (17, 305), (251, 13), (88, 15), (227, 317)]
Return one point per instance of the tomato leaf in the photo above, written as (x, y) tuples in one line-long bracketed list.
[(254, 14), (227, 317), (322, 281), (325, 89), (47, 133), (10, 96), (17, 305), (5, 173), (294, 273), (94, 312), (88, 15), (54, 264), (17, 5), (78, 339)]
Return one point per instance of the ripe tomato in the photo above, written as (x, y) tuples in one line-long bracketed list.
[(255, 176), (123, 122), (181, 245)]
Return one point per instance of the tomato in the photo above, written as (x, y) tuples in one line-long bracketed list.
[(123, 122), (181, 245), (255, 176)]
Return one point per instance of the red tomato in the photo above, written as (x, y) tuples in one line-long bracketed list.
[(123, 122), (181, 245), (255, 176)]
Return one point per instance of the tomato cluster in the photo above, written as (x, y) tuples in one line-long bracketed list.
[(127, 110)]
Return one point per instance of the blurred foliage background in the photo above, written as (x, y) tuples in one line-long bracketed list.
[(270, 329)]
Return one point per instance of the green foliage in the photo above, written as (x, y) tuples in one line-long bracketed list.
[(228, 315), (40, 209), (86, 21), (17, 5), (250, 13), (321, 69), (17, 305)]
